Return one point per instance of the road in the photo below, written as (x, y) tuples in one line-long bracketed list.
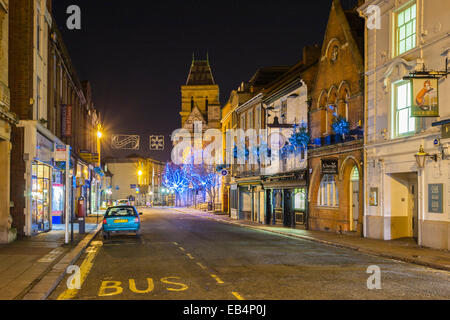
[(184, 257)]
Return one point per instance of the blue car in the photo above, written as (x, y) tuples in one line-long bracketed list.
[(121, 219)]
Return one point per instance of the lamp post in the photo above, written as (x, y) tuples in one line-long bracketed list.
[(99, 137)]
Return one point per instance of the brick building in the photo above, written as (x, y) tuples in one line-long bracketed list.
[(336, 121), (54, 115)]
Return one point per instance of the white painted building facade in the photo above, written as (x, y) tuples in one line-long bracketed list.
[(402, 199)]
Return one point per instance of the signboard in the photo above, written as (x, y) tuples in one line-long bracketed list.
[(330, 166), (445, 131), (66, 120), (425, 94), (89, 157), (373, 197), (133, 186), (224, 173), (435, 198), (44, 148)]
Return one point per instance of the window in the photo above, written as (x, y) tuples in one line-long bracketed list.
[(404, 123), (38, 31), (328, 193), (284, 112), (300, 199), (38, 98), (406, 29), (258, 118)]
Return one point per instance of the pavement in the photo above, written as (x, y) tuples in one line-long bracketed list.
[(402, 249), (31, 266), (190, 255)]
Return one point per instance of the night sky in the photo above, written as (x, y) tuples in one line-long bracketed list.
[(137, 54)]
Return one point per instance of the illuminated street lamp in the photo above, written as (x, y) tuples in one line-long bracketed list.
[(99, 137), (422, 156)]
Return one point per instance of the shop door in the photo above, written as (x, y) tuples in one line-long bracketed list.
[(287, 216), (354, 192), (268, 207)]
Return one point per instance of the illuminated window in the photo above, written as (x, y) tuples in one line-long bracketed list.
[(406, 29), (328, 194), (404, 123)]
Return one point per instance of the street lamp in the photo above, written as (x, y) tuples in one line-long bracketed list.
[(422, 156), (99, 137)]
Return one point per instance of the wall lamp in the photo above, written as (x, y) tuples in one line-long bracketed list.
[(422, 156)]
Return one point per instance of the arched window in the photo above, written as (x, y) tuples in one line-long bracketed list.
[(354, 176), (332, 108)]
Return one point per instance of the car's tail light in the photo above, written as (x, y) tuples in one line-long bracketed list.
[(104, 221), (136, 220)]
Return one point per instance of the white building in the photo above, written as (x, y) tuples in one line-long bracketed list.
[(402, 199)]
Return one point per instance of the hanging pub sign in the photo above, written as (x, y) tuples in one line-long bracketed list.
[(425, 94), (330, 166)]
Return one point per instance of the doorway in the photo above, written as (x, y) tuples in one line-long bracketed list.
[(404, 209), (354, 195)]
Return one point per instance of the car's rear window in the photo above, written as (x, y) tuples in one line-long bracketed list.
[(120, 212)]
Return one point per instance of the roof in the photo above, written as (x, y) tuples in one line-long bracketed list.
[(200, 74), (266, 75)]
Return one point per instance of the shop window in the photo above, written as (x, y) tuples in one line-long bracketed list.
[(328, 194), (300, 199), (40, 197), (403, 122), (405, 29)]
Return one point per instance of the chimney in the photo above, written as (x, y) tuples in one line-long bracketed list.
[(311, 54)]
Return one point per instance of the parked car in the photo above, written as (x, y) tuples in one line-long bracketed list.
[(123, 219), (123, 202)]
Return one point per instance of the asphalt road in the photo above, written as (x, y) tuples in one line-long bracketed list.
[(184, 257)]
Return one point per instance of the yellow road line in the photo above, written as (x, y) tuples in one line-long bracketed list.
[(190, 256), (85, 268), (175, 243), (201, 265), (182, 249), (217, 279), (238, 296)]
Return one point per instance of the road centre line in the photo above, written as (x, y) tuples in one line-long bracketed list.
[(182, 249), (219, 281), (238, 296), (201, 265), (190, 256)]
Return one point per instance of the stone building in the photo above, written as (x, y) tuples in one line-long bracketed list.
[(407, 120), (286, 105), (7, 120), (200, 98), (336, 121)]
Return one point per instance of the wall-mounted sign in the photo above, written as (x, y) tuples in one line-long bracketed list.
[(66, 120), (445, 131), (373, 197), (425, 94), (330, 166), (435, 198)]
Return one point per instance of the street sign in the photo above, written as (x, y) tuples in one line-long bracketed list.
[(156, 143), (224, 172)]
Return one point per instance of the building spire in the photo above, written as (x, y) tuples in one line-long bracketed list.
[(207, 56)]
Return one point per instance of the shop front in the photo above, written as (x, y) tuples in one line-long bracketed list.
[(44, 188), (287, 196), (336, 192)]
